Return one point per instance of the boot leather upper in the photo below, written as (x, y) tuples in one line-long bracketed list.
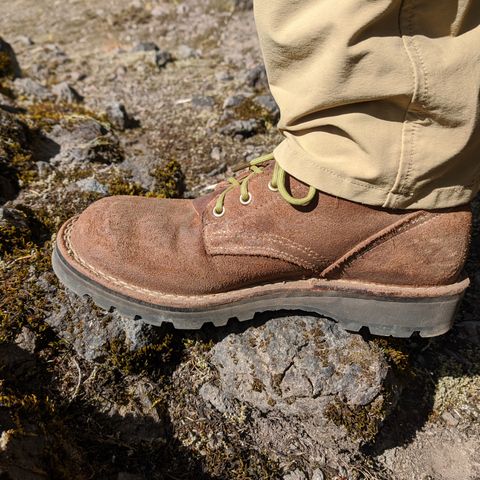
[(179, 247)]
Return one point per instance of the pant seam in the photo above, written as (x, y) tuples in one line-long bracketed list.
[(410, 127)]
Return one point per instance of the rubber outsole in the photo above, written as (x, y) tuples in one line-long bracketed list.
[(397, 316)]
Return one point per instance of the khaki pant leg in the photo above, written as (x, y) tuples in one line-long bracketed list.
[(379, 99)]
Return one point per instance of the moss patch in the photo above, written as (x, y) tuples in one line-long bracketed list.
[(396, 352), (169, 181), (361, 422), (6, 68), (45, 115), (147, 359), (120, 184)]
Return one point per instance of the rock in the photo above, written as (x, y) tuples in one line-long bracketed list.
[(13, 218), (85, 140), (91, 331), (162, 57), (203, 102), (298, 387), (242, 5), (117, 115), (91, 185), (9, 66), (32, 89), (66, 94), (318, 475), (234, 101), (44, 169), (256, 78), (223, 77), (243, 128), (295, 475), (216, 154), (300, 363), (26, 340), (268, 103), (155, 57), (145, 47), (25, 40), (184, 52)]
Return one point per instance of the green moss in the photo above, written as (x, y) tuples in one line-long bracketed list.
[(119, 184), (249, 109), (6, 68), (14, 236), (17, 158), (396, 352), (169, 181), (147, 358), (45, 115), (6, 89), (361, 422), (26, 257), (258, 385)]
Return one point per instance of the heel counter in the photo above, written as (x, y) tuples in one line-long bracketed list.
[(432, 252)]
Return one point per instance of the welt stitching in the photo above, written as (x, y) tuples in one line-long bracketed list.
[(152, 293)]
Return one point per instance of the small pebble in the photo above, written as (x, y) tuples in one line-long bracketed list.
[(65, 93), (163, 57), (117, 115), (145, 47), (184, 52), (203, 102), (91, 185), (233, 101), (223, 76), (242, 128)]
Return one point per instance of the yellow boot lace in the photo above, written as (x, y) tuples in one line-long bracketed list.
[(276, 184)]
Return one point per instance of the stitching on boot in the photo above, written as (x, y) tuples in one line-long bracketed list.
[(280, 240), (381, 238), (282, 256), (152, 293)]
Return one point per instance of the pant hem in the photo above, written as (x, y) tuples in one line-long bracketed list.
[(294, 161)]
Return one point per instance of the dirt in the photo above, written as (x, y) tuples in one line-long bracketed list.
[(82, 395)]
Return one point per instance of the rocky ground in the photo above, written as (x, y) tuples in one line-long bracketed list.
[(162, 99)]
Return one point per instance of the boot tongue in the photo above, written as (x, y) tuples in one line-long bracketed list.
[(296, 187), (200, 203)]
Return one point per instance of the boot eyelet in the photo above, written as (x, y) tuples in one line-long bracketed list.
[(272, 188), (218, 215), (247, 201)]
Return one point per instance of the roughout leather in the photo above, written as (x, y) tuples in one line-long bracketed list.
[(178, 247)]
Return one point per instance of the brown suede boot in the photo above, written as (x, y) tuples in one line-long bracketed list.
[(268, 242)]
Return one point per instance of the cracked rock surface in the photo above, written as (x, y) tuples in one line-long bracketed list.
[(296, 365)]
